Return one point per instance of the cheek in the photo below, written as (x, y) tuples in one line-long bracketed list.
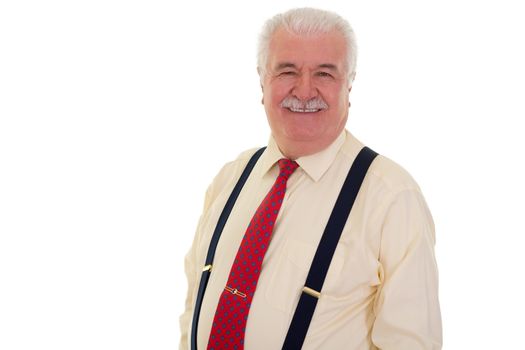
[(339, 99), (276, 92)]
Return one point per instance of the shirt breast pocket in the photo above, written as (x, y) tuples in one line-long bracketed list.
[(351, 281), (289, 274)]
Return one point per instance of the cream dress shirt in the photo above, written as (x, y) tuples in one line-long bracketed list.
[(381, 291)]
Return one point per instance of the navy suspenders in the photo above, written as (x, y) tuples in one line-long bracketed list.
[(325, 250), (215, 239), (323, 256)]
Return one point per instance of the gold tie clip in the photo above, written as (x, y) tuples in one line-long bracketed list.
[(234, 291)]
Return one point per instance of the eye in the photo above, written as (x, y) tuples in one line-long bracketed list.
[(324, 74), (287, 73)]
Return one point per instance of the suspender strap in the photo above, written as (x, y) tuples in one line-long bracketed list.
[(325, 250), (215, 239)]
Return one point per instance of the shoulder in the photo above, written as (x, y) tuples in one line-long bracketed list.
[(384, 174), (393, 185), (399, 197), (233, 169), (228, 175), (386, 184), (391, 175), (395, 203)]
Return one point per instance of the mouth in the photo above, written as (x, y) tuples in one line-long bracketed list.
[(305, 110)]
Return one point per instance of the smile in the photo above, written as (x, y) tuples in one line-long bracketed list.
[(305, 110)]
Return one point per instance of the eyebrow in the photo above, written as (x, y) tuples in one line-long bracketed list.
[(284, 65), (330, 66)]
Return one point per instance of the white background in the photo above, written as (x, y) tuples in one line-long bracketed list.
[(116, 115)]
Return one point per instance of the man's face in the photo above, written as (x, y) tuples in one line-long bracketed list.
[(305, 90)]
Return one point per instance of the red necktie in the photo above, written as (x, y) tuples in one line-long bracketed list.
[(229, 322)]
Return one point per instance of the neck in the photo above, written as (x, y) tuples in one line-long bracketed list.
[(294, 150)]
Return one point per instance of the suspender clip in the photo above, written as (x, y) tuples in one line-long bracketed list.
[(311, 292)]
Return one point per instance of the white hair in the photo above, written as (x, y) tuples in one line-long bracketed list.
[(307, 22)]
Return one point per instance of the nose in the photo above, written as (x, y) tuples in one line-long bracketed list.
[(304, 88)]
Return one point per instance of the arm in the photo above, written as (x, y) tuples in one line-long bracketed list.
[(407, 306), (193, 277), (190, 268)]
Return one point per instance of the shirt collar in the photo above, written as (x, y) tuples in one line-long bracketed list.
[(315, 165)]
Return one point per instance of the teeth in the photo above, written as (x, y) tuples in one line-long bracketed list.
[(306, 110)]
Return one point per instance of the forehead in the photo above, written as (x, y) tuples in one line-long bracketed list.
[(326, 48)]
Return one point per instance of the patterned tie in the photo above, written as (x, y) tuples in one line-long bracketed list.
[(229, 322)]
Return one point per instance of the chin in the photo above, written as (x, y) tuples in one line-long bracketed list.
[(303, 136), (302, 126)]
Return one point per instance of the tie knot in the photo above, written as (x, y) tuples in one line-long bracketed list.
[(287, 167)]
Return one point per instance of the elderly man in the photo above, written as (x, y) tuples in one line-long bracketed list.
[(315, 242)]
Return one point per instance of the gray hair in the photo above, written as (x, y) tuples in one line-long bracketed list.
[(307, 21)]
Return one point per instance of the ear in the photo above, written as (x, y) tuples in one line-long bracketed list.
[(259, 72), (352, 82)]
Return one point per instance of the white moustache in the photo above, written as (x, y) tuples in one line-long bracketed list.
[(296, 105)]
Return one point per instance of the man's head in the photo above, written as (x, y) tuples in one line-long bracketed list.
[(306, 65)]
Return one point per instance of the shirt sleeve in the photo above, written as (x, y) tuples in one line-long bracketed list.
[(192, 271), (406, 305)]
